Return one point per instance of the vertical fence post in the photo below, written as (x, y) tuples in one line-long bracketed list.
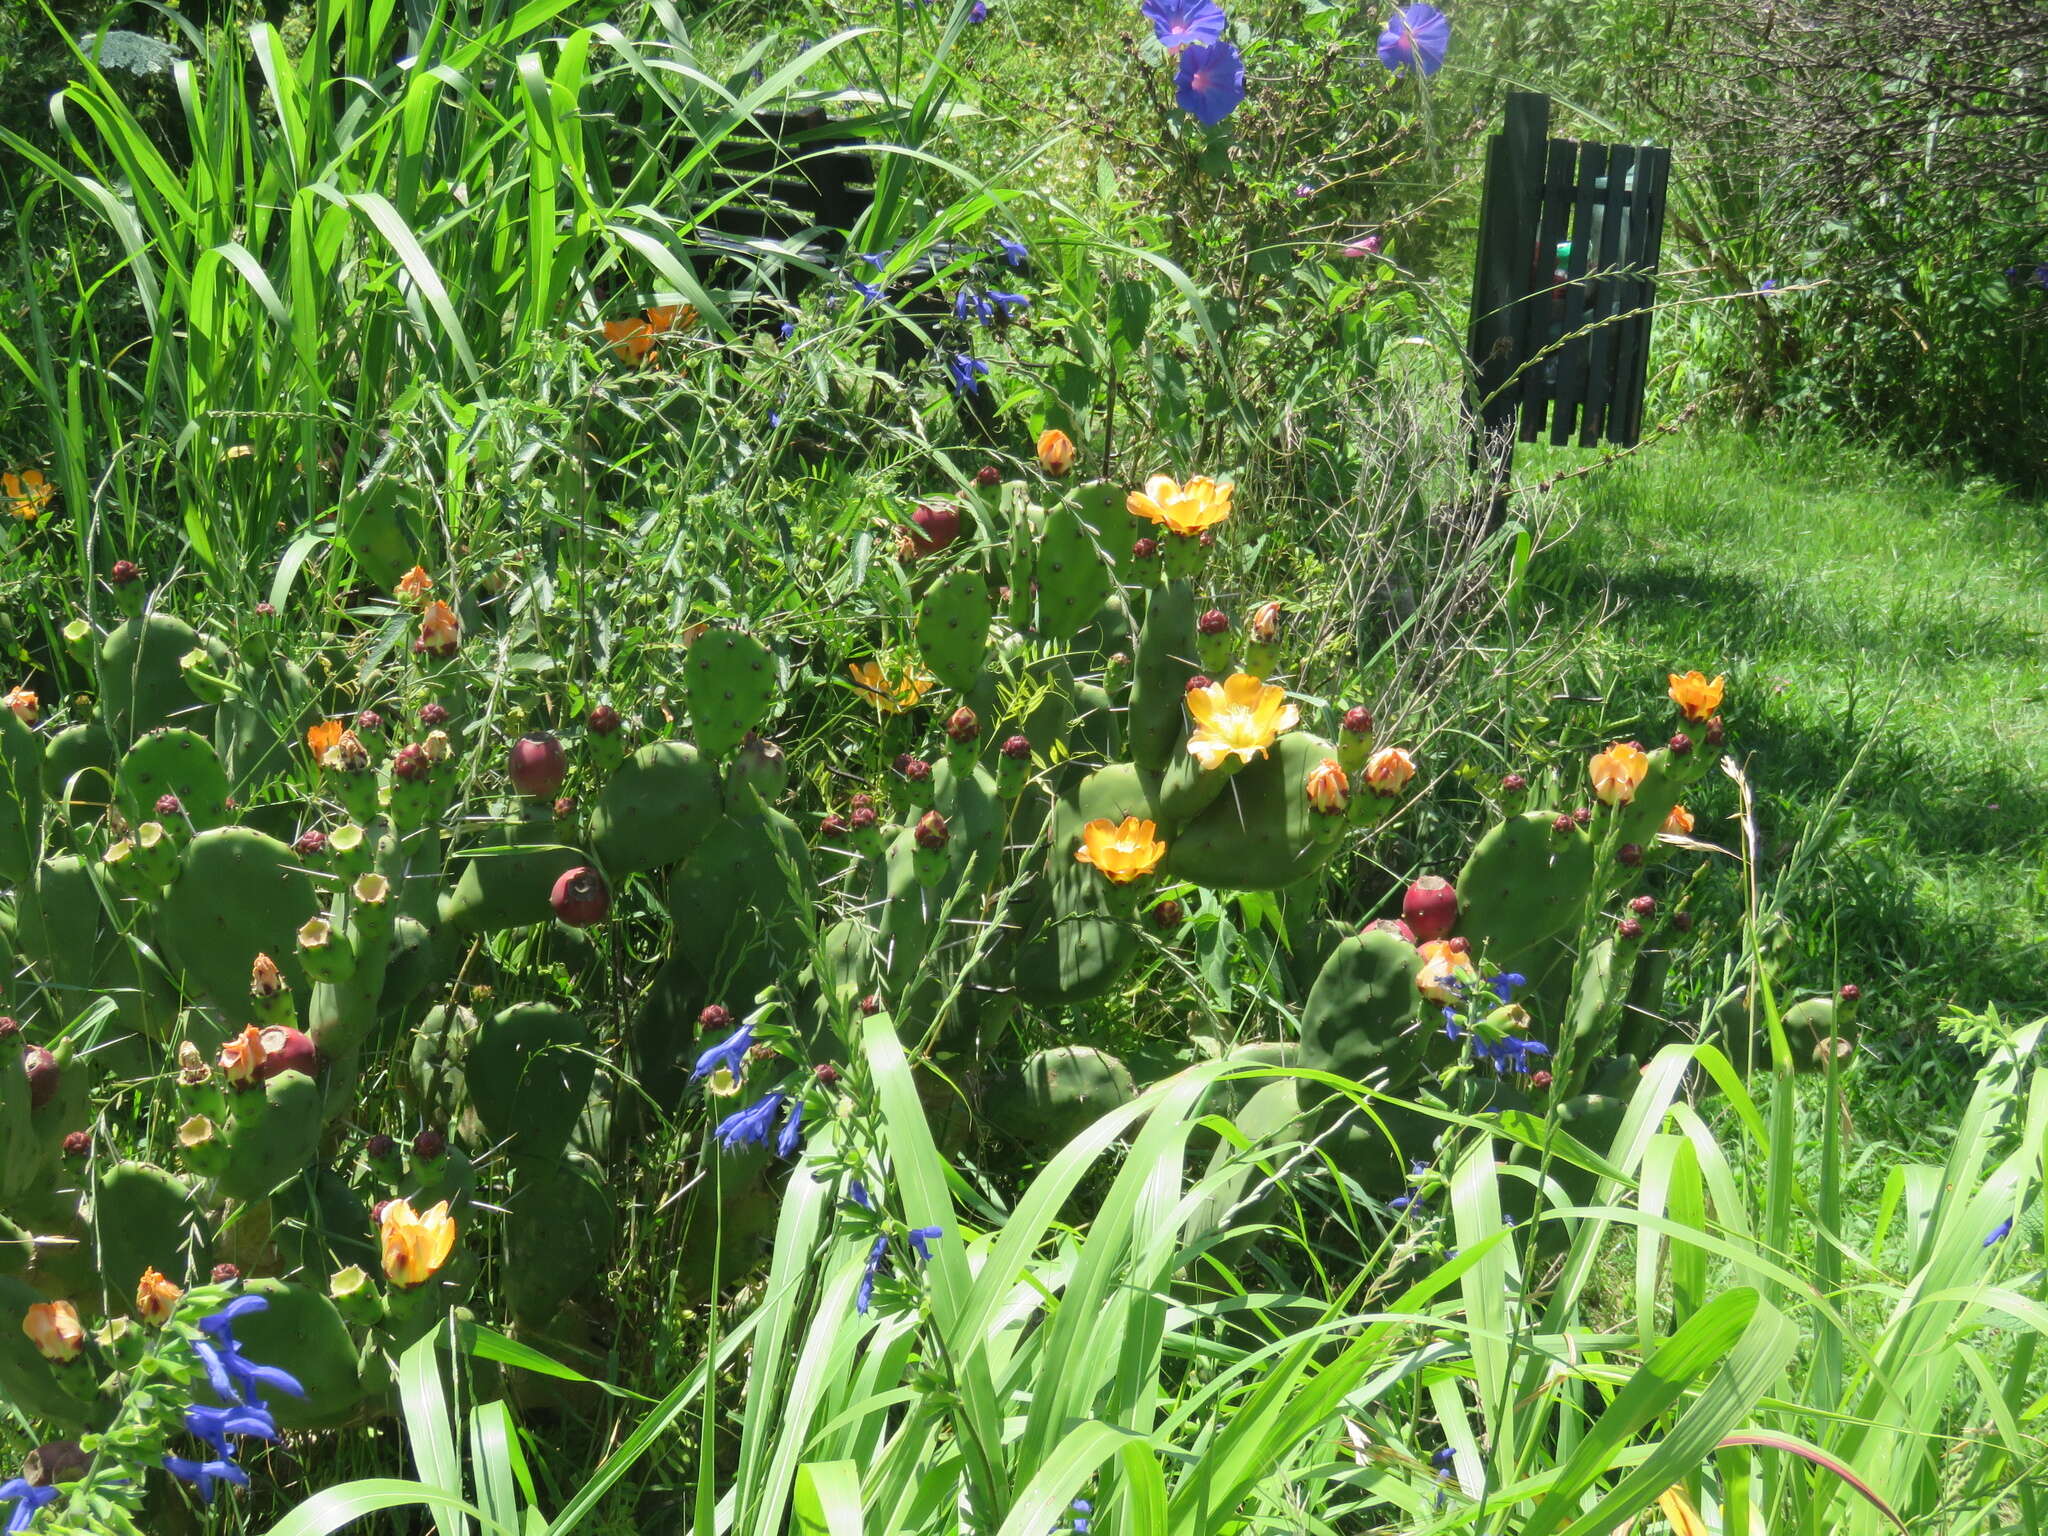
[(1509, 207)]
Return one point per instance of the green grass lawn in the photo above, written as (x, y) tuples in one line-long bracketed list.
[(1873, 621)]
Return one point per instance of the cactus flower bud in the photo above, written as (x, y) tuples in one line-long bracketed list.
[(9, 1028), (1583, 816), (915, 769), (1681, 922), (1513, 784), (53, 1327), (931, 830), (1017, 749), (24, 705), (826, 1074), (1145, 549), (1328, 787), (169, 805), (870, 1006), (1716, 732), (1680, 744), (1264, 623), (1167, 915), (369, 722), (1851, 993), (1389, 771), (1392, 925), (602, 720), (963, 725), (537, 765), (1214, 622), (440, 631), (833, 827), (77, 1143), (381, 1148), (565, 807), (1430, 907), (265, 980), (715, 1017), (1564, 824), (124, 573), (1629, 929), (311, 844), (43, 1074), (433, 715), (430, 1146), (988, 475), (226, 1274), (1358, 721), (1056, 452), (1539, 1079), (862, 820), (1644, 906), (1630, 854), (1198, 682), (242, 1058), (580, 897)]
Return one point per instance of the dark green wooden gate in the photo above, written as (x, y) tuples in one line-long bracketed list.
[(1568, 242)]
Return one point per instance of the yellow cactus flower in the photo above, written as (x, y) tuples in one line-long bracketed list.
[(1056, 452), (1389, 770), (1447, 969), (52, 1326), (1120, 853), (27, 493), (27, 708), (1617, 771), (323, 738), (242, 1057), (156, 1298), (1239, 717), (1328, 786), (416, 1245), (415, 584), (891, 696), (1185, 509), (1696, 698), (1678, 823)]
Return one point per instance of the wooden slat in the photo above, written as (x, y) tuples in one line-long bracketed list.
[(1507, 229), (1657, 180), (1600, 360), (1571, 361), (1632, 329), (1538, 379)]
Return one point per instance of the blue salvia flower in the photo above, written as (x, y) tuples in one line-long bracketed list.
[(220, 1325), (877, 262), (967, 372), (921, 1239), (792, 1136), (214, 1425), (1013, 250), (27, 1500), (204, 1474), (858, 1193), (868, 291), (969, 305), (1006, 302), (1504, 984), (785, 330), (866, 1293), (749, 1127), (728, 1053), (1999, 1233), (1082, 1510)]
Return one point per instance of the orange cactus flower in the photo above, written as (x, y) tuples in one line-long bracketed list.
[(671, 317), (27, 493), (1185, 509), (27, 708), (1056, 452), (323, 738), (632, 341), (415, 1245), (440, 630), (1446, 971), (1120, 853), (1696, 698), (242, 1057), (1679, 822), (52, 1326), (892, 696), (156, 1298), (1239, 717), (1617, 771), (414, 584), (1389, 771), (1264, 624), (1328, 786)]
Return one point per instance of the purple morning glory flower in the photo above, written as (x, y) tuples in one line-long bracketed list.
[(1185, 23), (1417, 37), (921, 1239), (968, 372), (26, 1500), (1013, 250), (978, 12), (749, 1127), (1999, 1233), (204, 1474), (866, 1293), (792, 1136), (729, 1053), (1210, 84)]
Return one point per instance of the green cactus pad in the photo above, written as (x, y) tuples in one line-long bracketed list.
[(1061, 1092), (238, 894), (1358, 1021), (1665, 781), (78, 770), (742, 903), (142, 686), (301, 1331), (146, 1218), (1261, 833), (529, 1069), (57, 922), (505, 885), (21, 799), (656, 810), (729, 679), (1524, 884), (258, 729), (1157, 725), (558, 1225), (952, 628), (1073, 578), (172, 761), (1080, 940), (435, 1064), (273, 1141)]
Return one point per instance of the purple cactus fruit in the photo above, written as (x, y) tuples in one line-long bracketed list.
[(1358, 721), (1145, 549), (1430, 907), (311, 844), (1214, 622), (169, 805), (963, 725), (1017, 749), (124, 573), (931, 831), (1629, 929), (716, 1018), (1513, 784), (834, 827), (286, 1050), (43, 1074), (411, 764), (1392, 925), (381, 1147), (1680, 744), (1644, 906), (1630, 854), (602, 720), (430, 1146), (77, 1143), (580, 897), (1851, 992), (988, 475), (537, 765)]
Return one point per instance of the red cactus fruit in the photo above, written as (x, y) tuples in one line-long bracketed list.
[(1392, 925), (833, 826), (987, 476), (1680, 744), (311, 844), (1430, 907), (580, 897), (1145, 549), (938, 525), (1167, 915), (1629, 929), (826, 1074), (1513, 784), (1564, 824), (537, 765), (602, 720), (369, 720), (430, 1146), (44, 1075), (226, 1274), (1644, 906), (411, 763), (77, 1143), (286, 1050), (1630, 854), (124, 573), (870, 1005), (432, 715)]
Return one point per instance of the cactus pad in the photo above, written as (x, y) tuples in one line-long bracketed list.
[(952, 628), (729, 679), (655, 810), (172, 761)]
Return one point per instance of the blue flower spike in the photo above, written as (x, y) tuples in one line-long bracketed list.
[(792, 1138), (921, 1239), (204, 1474), (730, 1053), (27, 1499), (1999, 1233), (967, 373), (866, 1294), (749, 1127)]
